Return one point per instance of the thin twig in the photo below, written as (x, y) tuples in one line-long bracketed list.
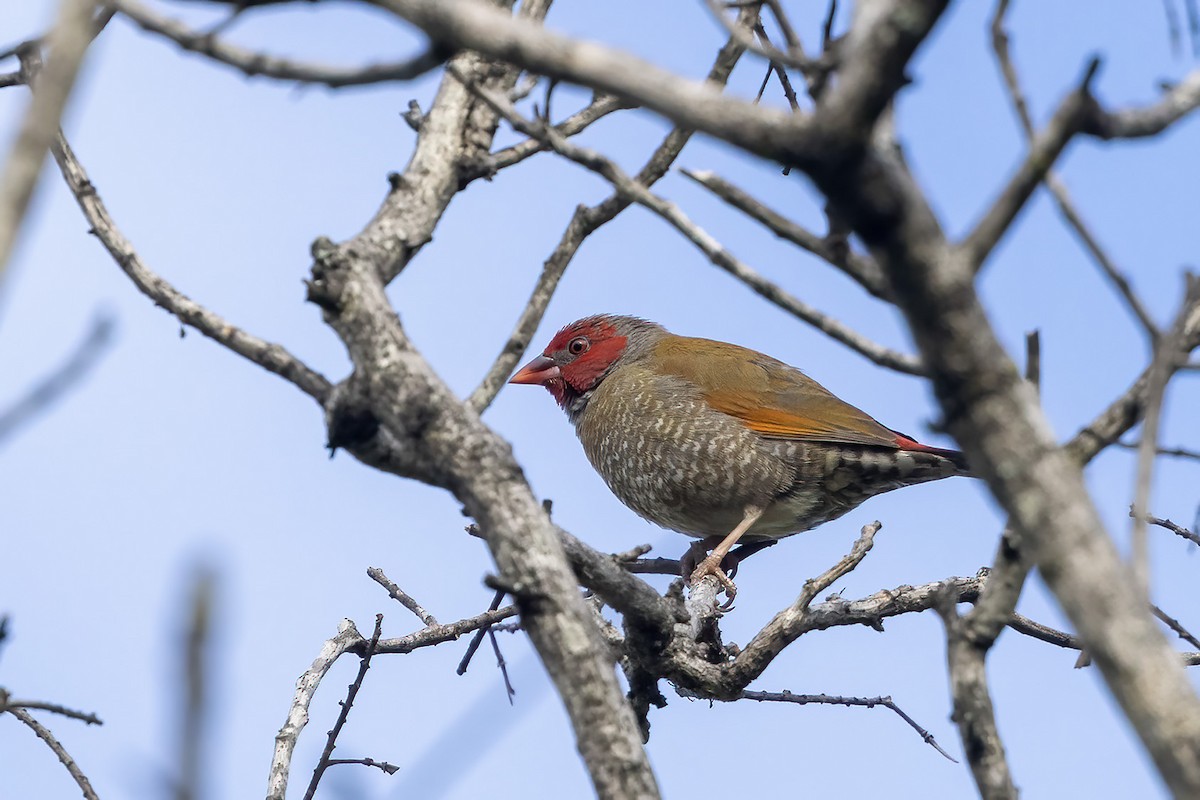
[(390, 769), (600, 107), (1173, 452), (833, 700), (272, 357), (428, 637), (347, 639), (790, 623), (40, 705), (1174, 625), (477, 639), (1044, 149), (398, 594), (344, 714), (1058, 189), (46, 736), (255, 64), (780, 71), (1173, 527), (861, 268), (502, 665)]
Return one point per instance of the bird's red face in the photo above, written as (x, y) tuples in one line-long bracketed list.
[(575, 360)]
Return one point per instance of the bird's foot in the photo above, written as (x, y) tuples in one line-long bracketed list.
[(695, 553), (712, 566)]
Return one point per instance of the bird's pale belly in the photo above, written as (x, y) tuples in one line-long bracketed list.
[(690, 470)]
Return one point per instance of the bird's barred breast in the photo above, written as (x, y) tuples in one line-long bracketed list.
[(674, 460)]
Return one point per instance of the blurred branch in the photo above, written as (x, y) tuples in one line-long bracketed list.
[(272, 357), (197, 638), (1128, 409), (1166, 360), (46, 736), (74, 28), (254, 64), (1174, 625), (1178, 101), (717, 254), (59, 383)]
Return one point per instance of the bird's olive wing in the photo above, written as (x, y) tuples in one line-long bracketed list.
[(766, 395)]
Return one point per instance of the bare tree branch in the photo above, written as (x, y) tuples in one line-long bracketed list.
[(445, 444), (7, 702), (1044, 150), (1002, 425), (347, 638), (830, 700), (253, 64), (351, 693), (46, 736), (1172, 452), (402, 597), (859, 267), (584, 222), (600, 107), (477, 639), (271, 357), (1134, 123), (1174, 625), (1174, 528), (790, 623), (715, 252), (877, 50), (1057, 188)]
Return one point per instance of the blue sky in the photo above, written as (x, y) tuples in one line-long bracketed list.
[(175, 452)]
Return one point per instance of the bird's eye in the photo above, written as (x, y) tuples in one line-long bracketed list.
[(578, 345)]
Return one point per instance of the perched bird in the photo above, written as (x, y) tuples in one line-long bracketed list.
[(719, 441)]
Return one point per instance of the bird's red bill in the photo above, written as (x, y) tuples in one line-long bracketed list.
[(539, 370)]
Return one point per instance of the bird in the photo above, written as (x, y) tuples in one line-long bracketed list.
[(718, 441)]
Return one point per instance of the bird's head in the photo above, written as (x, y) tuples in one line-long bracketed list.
[(583, 353)]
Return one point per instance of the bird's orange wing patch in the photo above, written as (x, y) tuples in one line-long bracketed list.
[(766, 395)]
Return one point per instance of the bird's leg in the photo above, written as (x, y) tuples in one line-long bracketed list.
[(712, 564)]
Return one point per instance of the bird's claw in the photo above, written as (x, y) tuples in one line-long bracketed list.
[(712, 566)]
